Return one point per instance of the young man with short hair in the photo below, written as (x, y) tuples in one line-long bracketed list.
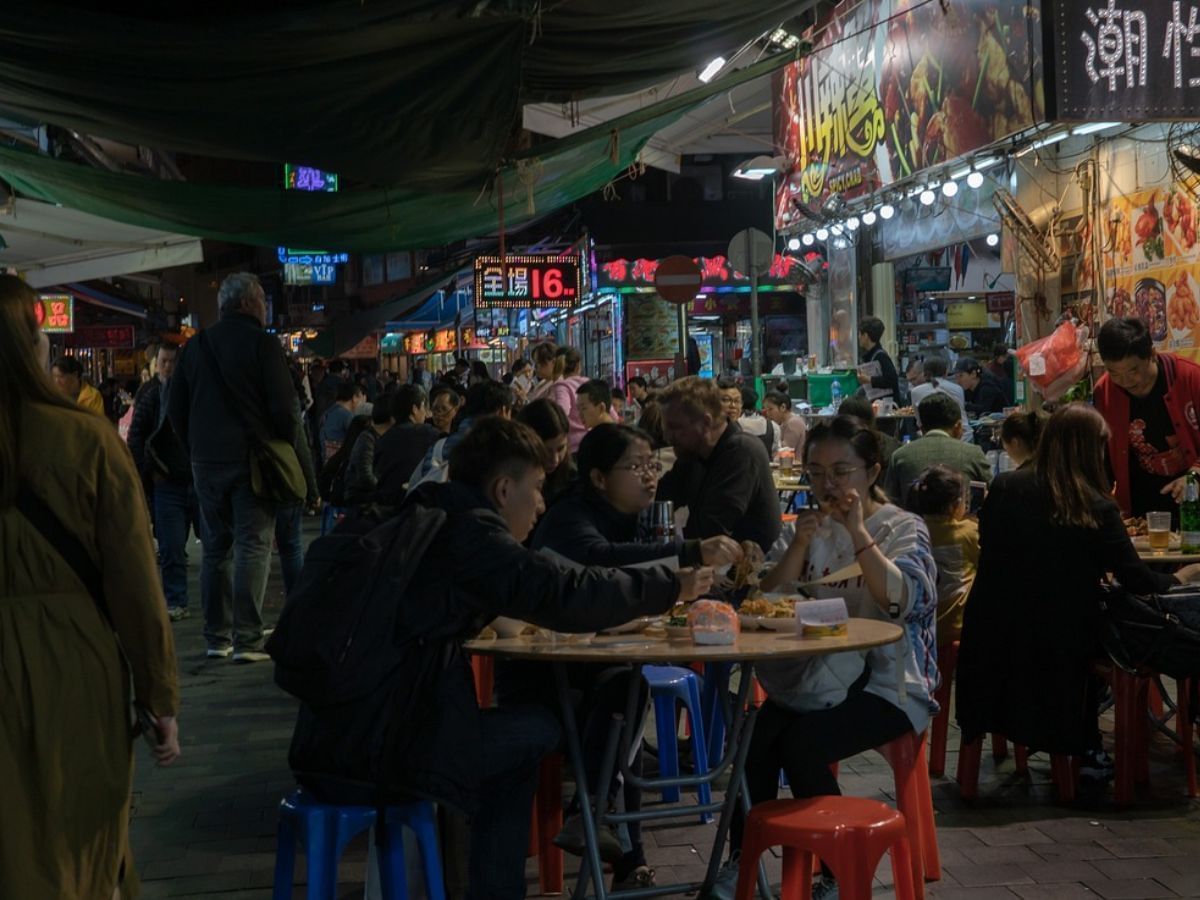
[(1150, 401), (484, 762), (887, 383), (984, 392), (934, 378), (593, 399), (940, 443), (336, 422)]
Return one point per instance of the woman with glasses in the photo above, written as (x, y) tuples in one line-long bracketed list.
[(598, 526), (827, 709)]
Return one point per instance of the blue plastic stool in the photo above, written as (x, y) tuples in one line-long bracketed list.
[(329, 517), (669, 684), (324, 829)]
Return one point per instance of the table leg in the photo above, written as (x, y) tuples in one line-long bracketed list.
[(591, 865)]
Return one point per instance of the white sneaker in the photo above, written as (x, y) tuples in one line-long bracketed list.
[(249, 656), (725, 886), (219, 652)]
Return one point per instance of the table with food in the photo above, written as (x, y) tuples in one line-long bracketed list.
[(768, 627), (1160, 545)]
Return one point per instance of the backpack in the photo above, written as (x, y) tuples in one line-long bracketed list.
[(1158, 633)]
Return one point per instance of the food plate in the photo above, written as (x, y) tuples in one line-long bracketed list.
[(753, 623), (631, 627), (678, 632)]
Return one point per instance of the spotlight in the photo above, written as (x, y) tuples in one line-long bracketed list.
[(808, 240), (927, 197), (822, 234), (887, 211), (869, 217), (975, 180), (852, 223), (950, 188), (710, 71), (993, 240), (793, 243)]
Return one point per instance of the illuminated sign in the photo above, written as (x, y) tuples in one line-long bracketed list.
[(527, 282), (306, 178), (418, 342), (716, 274), (103, 337), (300, 273), (324, 273), (443, 341), (290, 256), (55, 313)]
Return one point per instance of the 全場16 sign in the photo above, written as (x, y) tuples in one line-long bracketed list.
[(527, 282)]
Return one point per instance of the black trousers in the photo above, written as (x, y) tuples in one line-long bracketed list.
[(804, 744)]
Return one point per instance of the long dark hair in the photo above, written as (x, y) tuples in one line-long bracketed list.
[(546, 418), (1025, 427), (937, 491), (603, 447), (1070, 462), (22, 378), (862, 440)]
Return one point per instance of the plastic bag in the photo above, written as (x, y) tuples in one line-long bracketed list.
[(713, 622), (1056, 362)]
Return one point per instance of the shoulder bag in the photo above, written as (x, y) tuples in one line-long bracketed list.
[(275, 472)]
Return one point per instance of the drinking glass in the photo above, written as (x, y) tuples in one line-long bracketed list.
[(1158, 527)]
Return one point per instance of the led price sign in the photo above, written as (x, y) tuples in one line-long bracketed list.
[(306, 178), (55, 313), (527, 282), (443, 341), (418, 342), (291, 257)]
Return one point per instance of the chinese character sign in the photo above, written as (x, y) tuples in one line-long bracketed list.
[(306, 178), (527, 282), (1122, 60), (55, 313)]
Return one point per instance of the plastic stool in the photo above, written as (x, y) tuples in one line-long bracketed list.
[(483, 671), (669, 684), (914, 798), (947, 658), (324, 829), (1064, 770), (546, 823), (850, 833), (1136, 696)]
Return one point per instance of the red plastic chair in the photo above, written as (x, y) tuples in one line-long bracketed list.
[(850, 833), (1064, 770), (906, 756), (1134, 696), (940, 727)]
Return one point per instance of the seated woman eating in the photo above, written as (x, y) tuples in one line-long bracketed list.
[(598, 525), (829, 708)]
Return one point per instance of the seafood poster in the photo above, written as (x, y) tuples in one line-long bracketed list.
[(1152, 265), (894, 87)]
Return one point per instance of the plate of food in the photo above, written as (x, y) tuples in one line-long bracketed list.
[(773, 612), (676, 626), (1183, 313)]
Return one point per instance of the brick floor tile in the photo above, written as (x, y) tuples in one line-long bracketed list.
[(953, 892), (1129, 848), (1005, 853), (989, 874), (1052, 892), (1072, 850), (1059, 871), (1186, 884), (1129, 888), (1144, 867)]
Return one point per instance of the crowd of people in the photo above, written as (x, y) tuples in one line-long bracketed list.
[(542, 480)]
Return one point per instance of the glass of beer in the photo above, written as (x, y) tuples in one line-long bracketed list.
[(1158, 527)]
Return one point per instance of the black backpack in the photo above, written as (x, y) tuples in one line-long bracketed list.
[(335, 640), (1155, 633)]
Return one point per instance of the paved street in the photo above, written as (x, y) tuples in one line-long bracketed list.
[(206, 827)]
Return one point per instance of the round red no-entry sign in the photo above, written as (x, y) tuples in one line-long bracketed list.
[(677, 279)]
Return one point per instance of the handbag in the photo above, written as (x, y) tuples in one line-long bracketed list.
[(275, 472), (1156, 633), (72, 551)]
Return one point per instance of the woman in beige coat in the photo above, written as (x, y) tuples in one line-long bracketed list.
[(66, 742)]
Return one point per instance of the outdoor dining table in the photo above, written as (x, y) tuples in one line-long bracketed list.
[(636, 650)]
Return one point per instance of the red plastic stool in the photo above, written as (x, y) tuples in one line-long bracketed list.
[(940, 727), (546, 824), (1135, 696), (914, 798), (850, 833), (1064, 770)]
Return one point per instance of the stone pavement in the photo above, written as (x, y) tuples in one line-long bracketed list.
[(205, 828)]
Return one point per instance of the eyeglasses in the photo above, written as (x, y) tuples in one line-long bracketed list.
[(643, 469), (838, 474)]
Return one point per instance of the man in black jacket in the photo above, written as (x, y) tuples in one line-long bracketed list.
[(722, 475), (235, 525), (484, 762), (984, 392), (166, 468)]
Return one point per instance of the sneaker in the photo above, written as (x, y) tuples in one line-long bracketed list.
[(641, 877), (267, 632), (570, 840), (725, 886), (825, 889), (219, 652), (1097, 765), (175, 613), (250, 656)]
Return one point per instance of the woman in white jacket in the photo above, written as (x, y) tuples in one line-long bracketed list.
[(830, 708)]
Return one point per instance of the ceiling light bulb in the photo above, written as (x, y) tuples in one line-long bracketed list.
[(869, 217), (822, 234), (794, 243), (950, 188), (808, 240), (710, 71), (886, 211), (975, 180), (852, 223), (927, 197), (836, 228), (993, 240)]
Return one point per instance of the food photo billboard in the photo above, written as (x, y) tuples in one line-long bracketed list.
[(894, 87)]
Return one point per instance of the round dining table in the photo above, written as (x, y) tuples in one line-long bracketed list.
[(653, 646)]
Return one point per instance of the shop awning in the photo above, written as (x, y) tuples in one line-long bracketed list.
[(88, 294), (52, 245), (438, 311)]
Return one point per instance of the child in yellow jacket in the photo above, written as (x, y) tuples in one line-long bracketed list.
[(939, 496)]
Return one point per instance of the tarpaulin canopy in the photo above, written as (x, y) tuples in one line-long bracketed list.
[(393, 92), (545, 178), (438, 311)]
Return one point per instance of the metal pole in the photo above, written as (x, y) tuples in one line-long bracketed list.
[(755, 328), (683, 335)]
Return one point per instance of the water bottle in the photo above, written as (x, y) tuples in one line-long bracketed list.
[(835, 394)]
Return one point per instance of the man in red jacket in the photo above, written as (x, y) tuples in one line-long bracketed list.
[(1150, 401)]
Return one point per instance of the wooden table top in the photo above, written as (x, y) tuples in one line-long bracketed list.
[(755, 646)]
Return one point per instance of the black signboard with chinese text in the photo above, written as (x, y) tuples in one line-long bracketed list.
[(102, 337), (527, 282), (1126, 60)]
